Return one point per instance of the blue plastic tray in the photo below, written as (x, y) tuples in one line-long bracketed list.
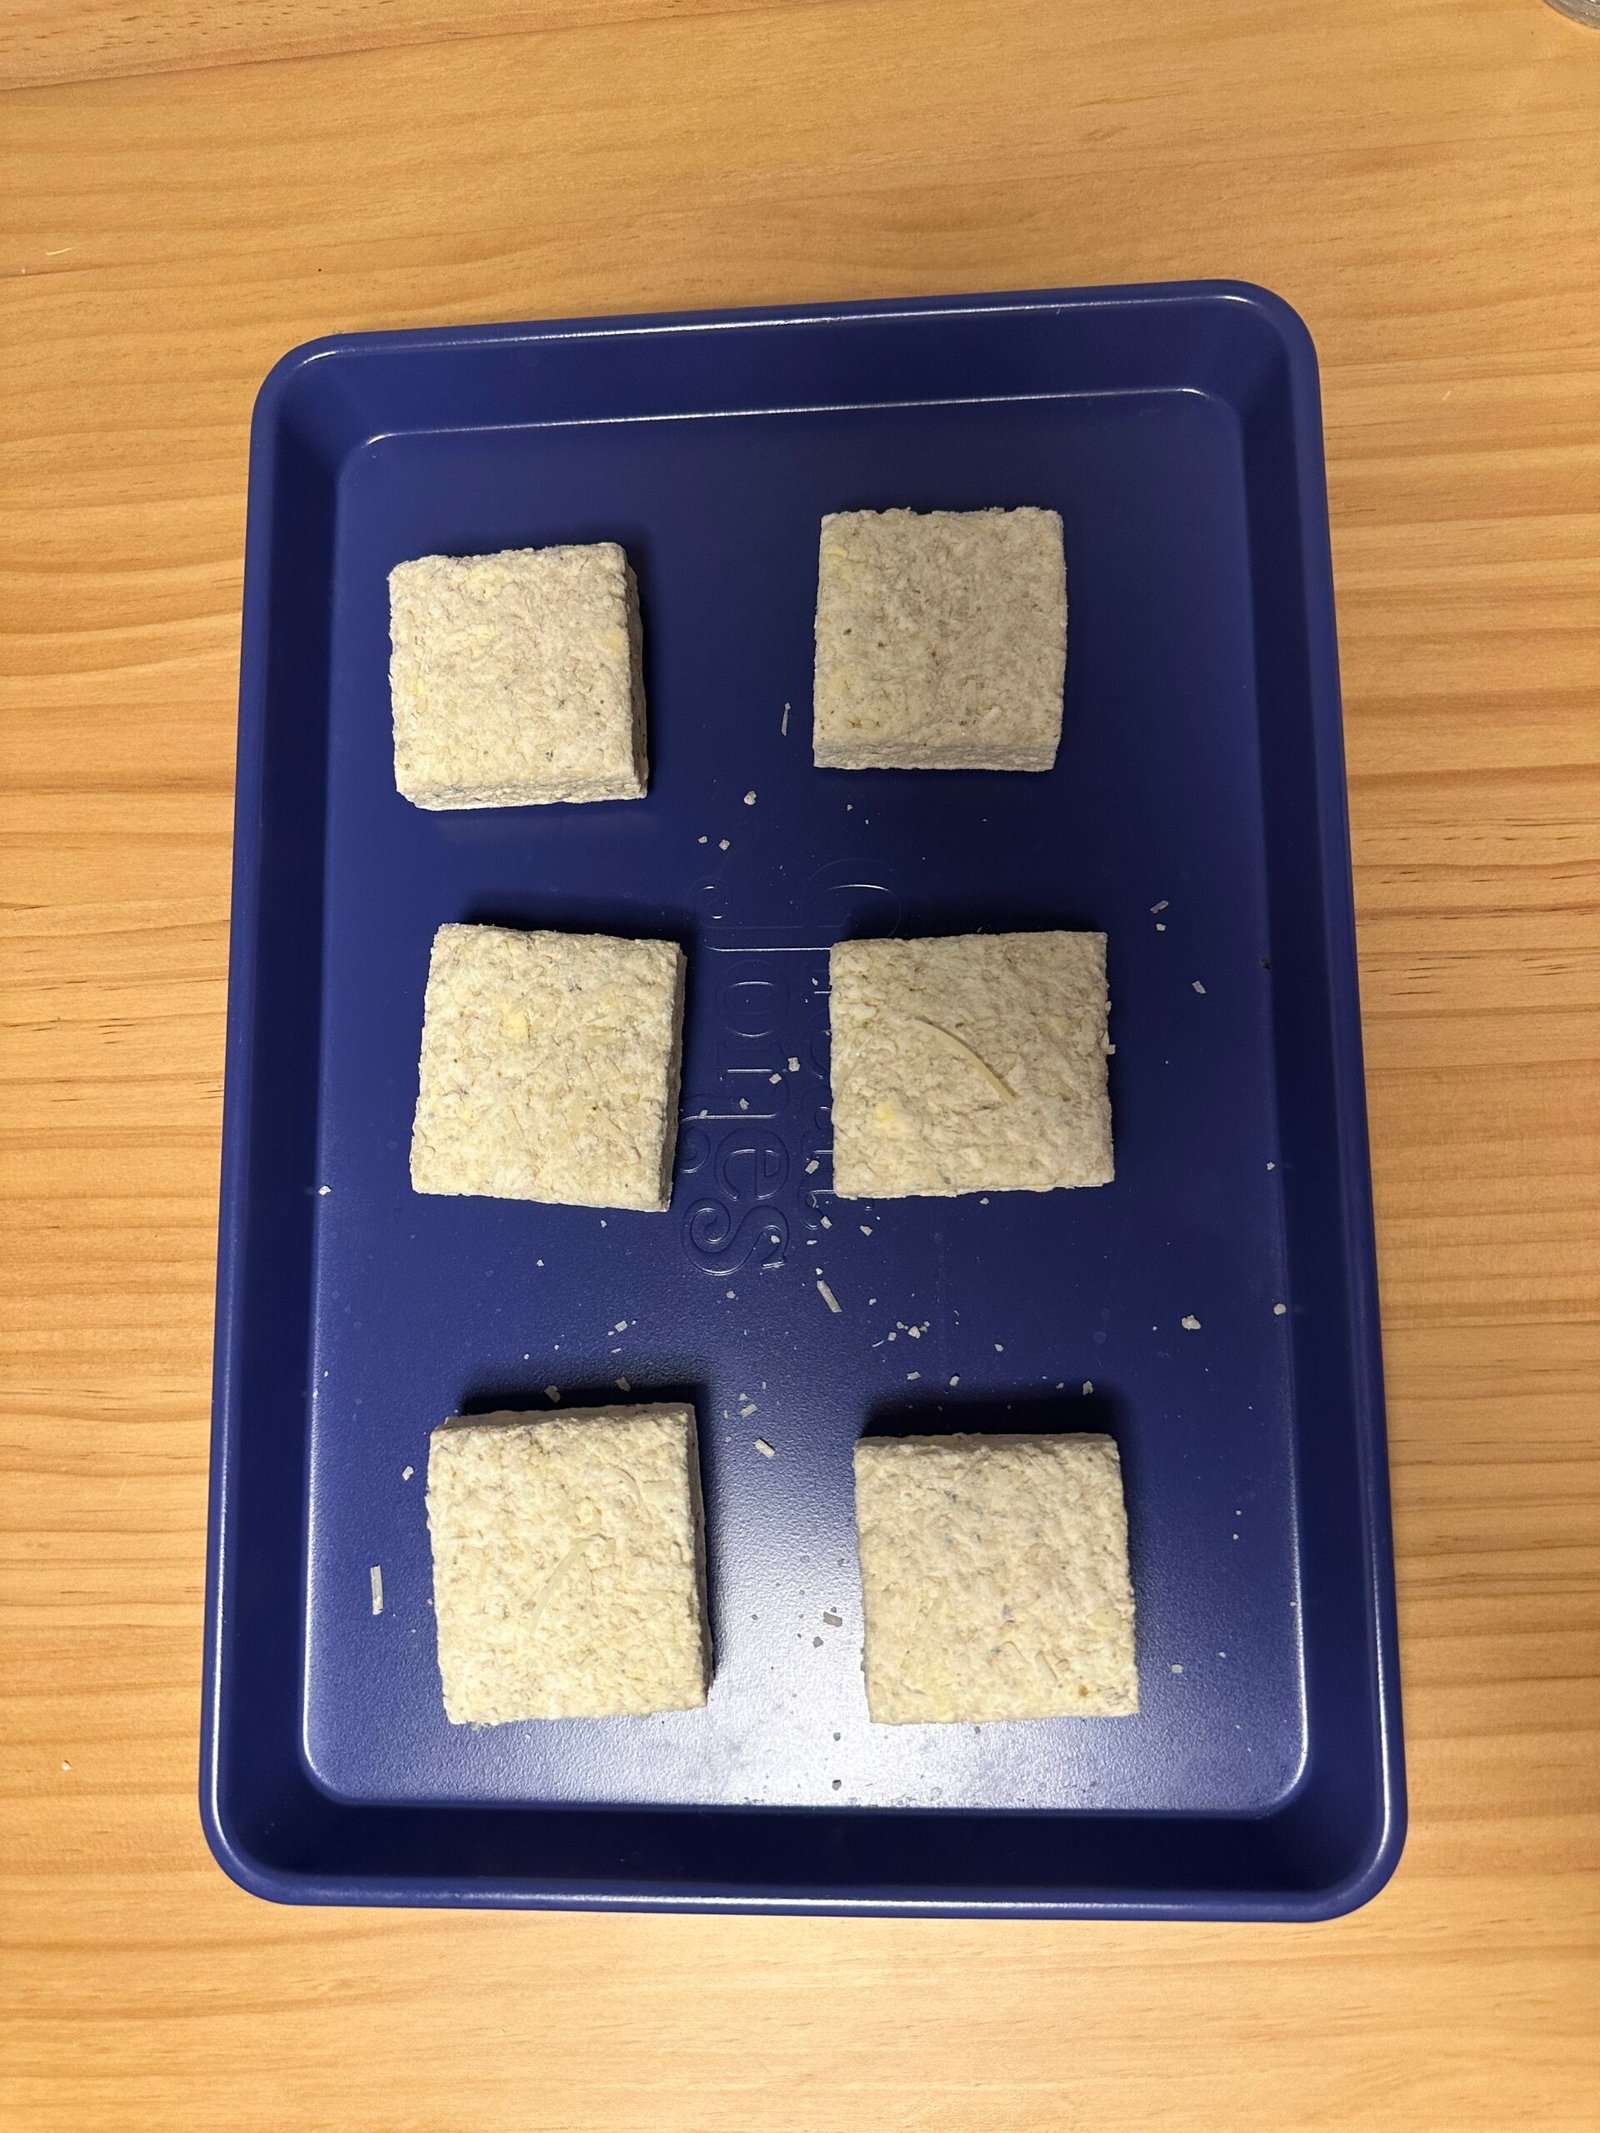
[(1197, 814)]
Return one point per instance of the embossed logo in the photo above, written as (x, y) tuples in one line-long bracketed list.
[(737, 1141), (754, 1145)]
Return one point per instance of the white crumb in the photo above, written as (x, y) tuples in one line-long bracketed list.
[(722, 844), (783, 723), (827, 1221), (774, 1079), (999, 1347), (406, 1472), (749, 799), (1177, 1669), (913, 1333), (323, 1191), (912, 1376), (1189, 1323), (1160, 928), (1272, 1166), (1088, 1384), (623, 1385), (1157, 908), (1197, 985), (767, 1451), (621, 1326), (705, 840), (375, 1574), (538, 1262), (984, 1200), (955, 1381), (1279, 1310), (833, 1621), (552, 1392), (812, 1165), (865, 1228), (747, 1408), (794, 1064), (744, 1103), (828, 1297)]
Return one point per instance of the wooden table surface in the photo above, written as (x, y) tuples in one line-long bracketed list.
[(190, 188)]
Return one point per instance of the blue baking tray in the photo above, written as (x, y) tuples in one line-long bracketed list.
[(1214, 1309)]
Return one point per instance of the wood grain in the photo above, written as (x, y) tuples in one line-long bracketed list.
[(189, 190)]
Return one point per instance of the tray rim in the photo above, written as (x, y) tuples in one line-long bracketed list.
[(1382, 1855)]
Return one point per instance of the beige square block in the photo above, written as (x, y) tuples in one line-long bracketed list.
[(550, 1065), (941, 640), (517, 678), (568, 1565), (994, 1576), (975, 1063)]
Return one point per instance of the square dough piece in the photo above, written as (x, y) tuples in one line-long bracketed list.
[(975, 1063), (517, 678), (941, 640), (550, 1066), (994, 1575), (568, 1564)]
